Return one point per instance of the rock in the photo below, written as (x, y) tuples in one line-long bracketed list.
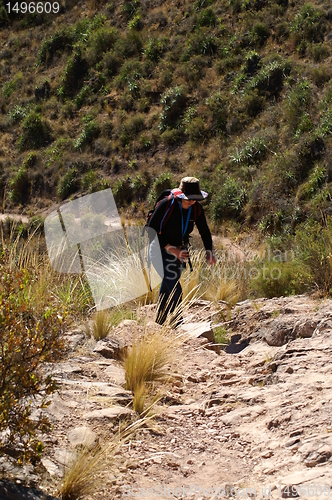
[(111, 348), (59, 408), (116, 374), (127, 322), (278, 332), (324, 325), (267, 454), (291, 442), (9, 490), (197, 330), (50, 466), (72, 341), (112, 413), (64, 457), (82, 436), (317, 457), (304, 328)]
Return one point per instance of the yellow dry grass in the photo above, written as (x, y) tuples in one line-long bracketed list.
[(83, 476)]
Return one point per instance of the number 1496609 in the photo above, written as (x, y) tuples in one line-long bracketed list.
[(33, 7)]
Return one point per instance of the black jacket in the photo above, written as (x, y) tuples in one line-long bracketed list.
[(172, 230)]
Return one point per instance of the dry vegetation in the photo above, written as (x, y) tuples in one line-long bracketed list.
[(133, 95)]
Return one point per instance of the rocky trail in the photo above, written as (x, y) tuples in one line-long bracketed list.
[(252, 420)]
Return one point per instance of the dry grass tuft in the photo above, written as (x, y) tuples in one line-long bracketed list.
[(83, 477), (101, 325)]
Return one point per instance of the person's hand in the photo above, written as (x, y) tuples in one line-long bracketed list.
[(182, 255), (210, 257)]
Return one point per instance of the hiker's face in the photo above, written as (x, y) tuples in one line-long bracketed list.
[(188, 203)]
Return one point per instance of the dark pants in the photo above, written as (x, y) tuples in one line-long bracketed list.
[(170, 293)]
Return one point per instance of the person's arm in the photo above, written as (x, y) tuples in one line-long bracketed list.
[(205, 234), (180, 254)]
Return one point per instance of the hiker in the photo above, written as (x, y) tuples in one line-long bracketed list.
[(173, 222)]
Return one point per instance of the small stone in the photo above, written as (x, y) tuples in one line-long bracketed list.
[(108, 413), (82, 436), (111, 348), (291, 442), (267, 454), (50, 466)]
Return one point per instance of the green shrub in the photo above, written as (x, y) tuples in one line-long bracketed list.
[(316, 179), (253, 103), (123, 190), (253, 151), (8, 88), (90, 132), (76, 70), (253, 4), (173, 102), (129, 45), (216, 104), (318, 51), (101, 41), (68, 184), (259, 34), (207, 18), (36, 132), (136, 23), (20, 186), (131, 128), (130, 7), (171, 137), (309, 25), (325, 123), (61, 41), (297, 102), (111, 63), (162, 182), (314, 249), (140, 185), (155, 48), (269, 79), (195, 129), (17, 114), (229, 200), (276, 279)]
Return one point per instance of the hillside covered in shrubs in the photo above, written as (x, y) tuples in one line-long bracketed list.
[(134, 94)]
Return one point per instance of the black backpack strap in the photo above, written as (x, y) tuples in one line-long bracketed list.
[(168, 211)]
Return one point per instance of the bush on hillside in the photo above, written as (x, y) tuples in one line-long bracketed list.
[(173, 102), (162, 182), (314, 248), (20, 186), (36, 132), (76, 70), (29, 338), (68, 184), (228, 201), (309, 25)]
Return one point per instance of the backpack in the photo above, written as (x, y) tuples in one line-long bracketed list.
[(170, 194)]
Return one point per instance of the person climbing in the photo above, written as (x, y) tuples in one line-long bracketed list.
[(173, 222)]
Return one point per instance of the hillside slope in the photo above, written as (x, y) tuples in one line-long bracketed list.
[(134, 95)]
